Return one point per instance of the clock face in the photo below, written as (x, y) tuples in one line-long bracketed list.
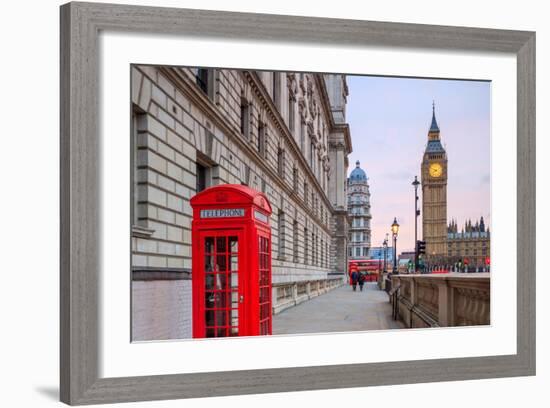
[(436, 170)]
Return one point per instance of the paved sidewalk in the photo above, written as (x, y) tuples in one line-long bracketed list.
[(339, 310)]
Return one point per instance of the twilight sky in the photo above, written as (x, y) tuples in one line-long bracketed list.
[(389, 120)]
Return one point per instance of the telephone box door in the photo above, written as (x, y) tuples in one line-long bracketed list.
[(220, 310), (264, 279)]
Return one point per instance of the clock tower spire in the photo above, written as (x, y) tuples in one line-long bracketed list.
[(434, 192)]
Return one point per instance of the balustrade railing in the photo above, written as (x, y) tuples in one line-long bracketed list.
[(290, 294), (441, 300)]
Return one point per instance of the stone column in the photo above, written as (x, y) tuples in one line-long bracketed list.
[(446, 306)]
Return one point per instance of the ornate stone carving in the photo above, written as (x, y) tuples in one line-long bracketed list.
[(428, 297), (292, 86), (472, 306), (336, 145), (303, 83)]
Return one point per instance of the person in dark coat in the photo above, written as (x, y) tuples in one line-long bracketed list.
[(354, 279), (361, 281)]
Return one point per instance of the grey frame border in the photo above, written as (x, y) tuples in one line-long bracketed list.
[(80, 233)]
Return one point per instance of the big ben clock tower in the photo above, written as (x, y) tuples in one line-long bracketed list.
[(434, 193)]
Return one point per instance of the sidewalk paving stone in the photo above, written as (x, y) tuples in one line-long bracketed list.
[(339, 310)]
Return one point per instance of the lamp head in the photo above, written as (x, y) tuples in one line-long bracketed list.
[(395, 227)]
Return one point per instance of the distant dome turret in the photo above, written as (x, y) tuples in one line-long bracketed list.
[(359, 213), (358, 173)]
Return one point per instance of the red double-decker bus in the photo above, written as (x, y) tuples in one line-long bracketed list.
[(369, 268)]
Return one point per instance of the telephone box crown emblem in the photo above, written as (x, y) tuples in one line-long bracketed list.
[(221, 197)]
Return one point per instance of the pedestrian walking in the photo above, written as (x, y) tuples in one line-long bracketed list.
[(361, 281), (354, 280)]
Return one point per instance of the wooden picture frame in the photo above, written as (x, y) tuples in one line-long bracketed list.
[(80, 154)]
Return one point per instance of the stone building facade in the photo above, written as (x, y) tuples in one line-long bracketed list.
[(359, 213), (280, 133), (473, 242)]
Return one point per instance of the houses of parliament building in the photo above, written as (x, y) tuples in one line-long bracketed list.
[(473, 243)]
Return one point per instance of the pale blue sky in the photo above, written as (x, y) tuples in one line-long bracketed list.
[(389, 120)]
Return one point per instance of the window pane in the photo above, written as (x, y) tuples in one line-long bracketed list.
[(220, 244), (208, 263), (210, 281), (234, 299), (221, 265), (208, 245), (210, 301), (234, 244), (221, 301), (234, 263)]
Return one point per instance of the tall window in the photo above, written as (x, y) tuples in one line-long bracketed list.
[(306, 246), (245, 118), (281, 232), (322, 260), (203, 179), (313, 248), (316, 211), (135, 147), (317, 251), (305, 192), (261, 139), (295, 241), (246, 181), (202, 79), (281, 162), (295, 178)]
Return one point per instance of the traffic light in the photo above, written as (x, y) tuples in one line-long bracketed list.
[(420, 248), (419, 251)]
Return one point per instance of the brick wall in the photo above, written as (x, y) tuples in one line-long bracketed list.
[(161, 310)]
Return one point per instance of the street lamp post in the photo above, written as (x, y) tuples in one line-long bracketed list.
[(395, 231), (385, 245), (383, 284), (415, 183)]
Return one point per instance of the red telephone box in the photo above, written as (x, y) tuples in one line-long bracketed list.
[(231, 244)]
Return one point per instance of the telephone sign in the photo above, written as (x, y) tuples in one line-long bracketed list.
[(222, 213)]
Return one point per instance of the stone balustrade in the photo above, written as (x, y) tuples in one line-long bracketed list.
[(441, 300), (286, 295)]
